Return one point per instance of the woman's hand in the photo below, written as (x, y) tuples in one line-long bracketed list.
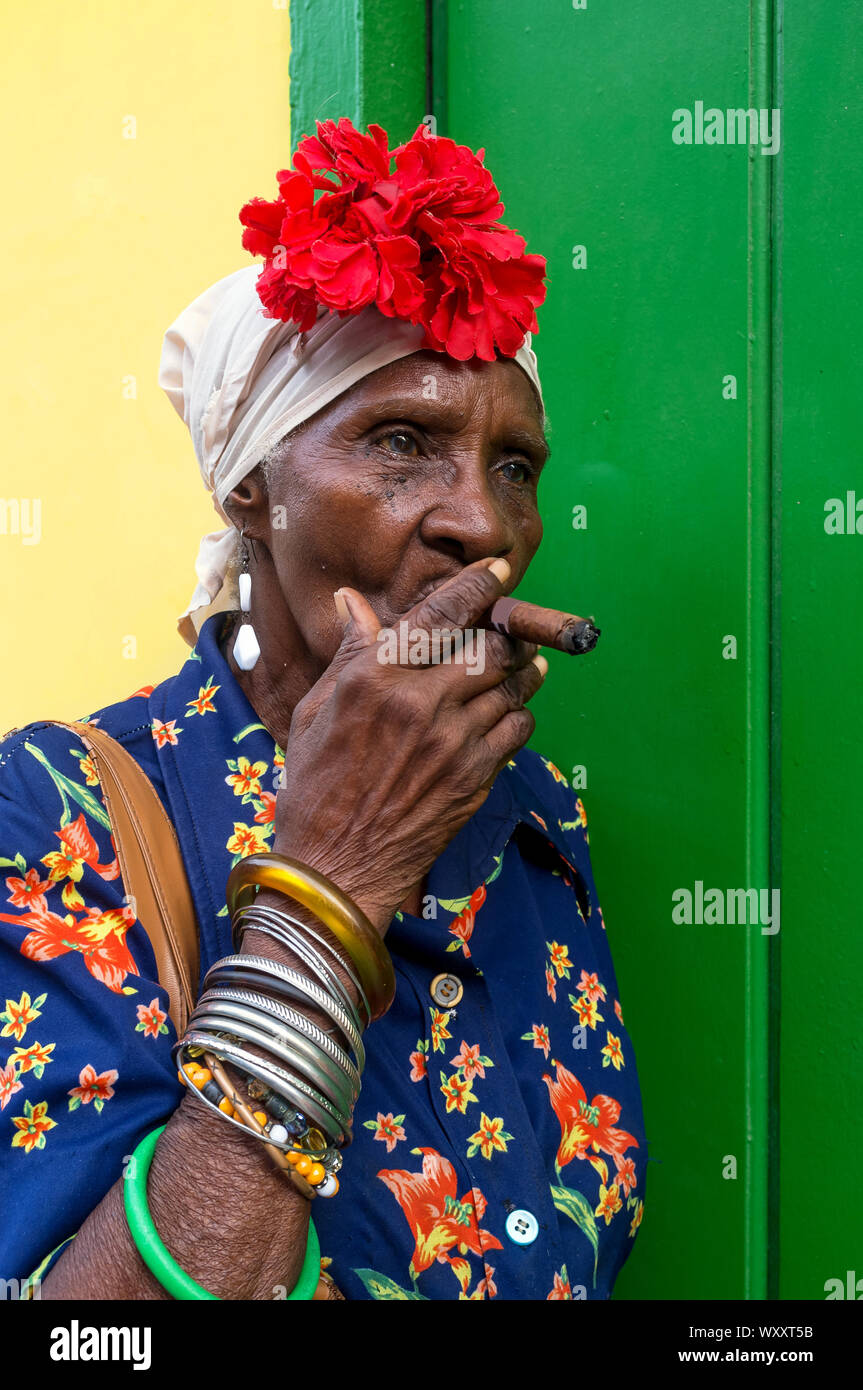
[(385, 763)]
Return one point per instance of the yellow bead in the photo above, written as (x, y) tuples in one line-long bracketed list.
[(181, 1077), (225, 1106), (293, 1157), (314, 1140), (261, 1116), (316, 1174), (195, 1051), (201, 1077), (303, 1165)]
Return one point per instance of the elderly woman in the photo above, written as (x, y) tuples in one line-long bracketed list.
[(368, 414)]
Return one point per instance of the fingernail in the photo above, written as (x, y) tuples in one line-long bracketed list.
[(341, 606), (501, 569), (541, 664)]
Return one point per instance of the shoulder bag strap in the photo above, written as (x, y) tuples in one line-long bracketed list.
[(151, 865)]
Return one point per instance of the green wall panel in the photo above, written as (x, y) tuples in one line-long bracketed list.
[(705, 521)]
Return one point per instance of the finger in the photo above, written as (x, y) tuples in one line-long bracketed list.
[(462, 600), (502, 742), (360, 626), (485, 660), (486, 710)]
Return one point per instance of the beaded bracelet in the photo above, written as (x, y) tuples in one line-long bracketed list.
[(156, 1255)]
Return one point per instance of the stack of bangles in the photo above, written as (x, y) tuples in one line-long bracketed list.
[(295, 1092)]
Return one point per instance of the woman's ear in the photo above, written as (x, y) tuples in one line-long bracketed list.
[(247, 504)]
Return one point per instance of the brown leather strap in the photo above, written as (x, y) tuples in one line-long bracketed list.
[(151, 865)]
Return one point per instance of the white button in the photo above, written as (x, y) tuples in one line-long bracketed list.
[(446, 990), (522, 1227)]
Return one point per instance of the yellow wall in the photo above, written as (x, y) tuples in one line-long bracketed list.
[(104, 241)]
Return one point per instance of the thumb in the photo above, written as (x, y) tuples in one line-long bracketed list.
[(360, 621)]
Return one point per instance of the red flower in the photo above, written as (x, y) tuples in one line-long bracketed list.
[(585, 1126), (420, 241), (438, 1220)]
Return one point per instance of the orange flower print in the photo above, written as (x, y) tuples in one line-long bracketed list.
[(9, 1084), (457, 1092), (387, 1129), (626, 1176), (247, 840), (588, 1013), (439, 1031), (609, 1202), (580, 812), (16, 1017), (99, 937), (34, 1058), (246, 780), (23, 891), (486, 1286), (88, 767), (550, 986), (618, 1011), (203, 702), (559, 959), (266, 814), (612, 1053), (561, 1288), (151, 1019), (438, 1219), (555, 772), (636, 1220), (491, 1137), (538, 1035), (419, 1061), (585, 1126), (165, 734), (540, 819), (78, 848), (462, 927), (469, 1060), (590, 987), (93, 1088), (32, 1126)]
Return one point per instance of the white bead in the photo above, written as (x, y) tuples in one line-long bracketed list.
[(246, 649), (244, 581), (278, 1134), (327, 1187)]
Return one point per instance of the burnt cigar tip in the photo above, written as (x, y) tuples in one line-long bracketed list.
[(582, 637)]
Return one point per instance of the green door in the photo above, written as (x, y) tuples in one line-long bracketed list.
[(696, 356)]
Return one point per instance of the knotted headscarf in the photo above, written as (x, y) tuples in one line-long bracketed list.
[(241, 381)]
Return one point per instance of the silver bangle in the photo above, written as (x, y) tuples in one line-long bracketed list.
[(297, 1094), (292, 1049), (288, 983), (329, 1157), (290, 1017), (281, 927), (246, 918)]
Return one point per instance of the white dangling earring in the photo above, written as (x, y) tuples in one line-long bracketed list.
[(246, 648)]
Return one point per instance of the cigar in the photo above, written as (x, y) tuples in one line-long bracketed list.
[(546, 627)]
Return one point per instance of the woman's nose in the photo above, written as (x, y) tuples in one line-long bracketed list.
[(468, 520)]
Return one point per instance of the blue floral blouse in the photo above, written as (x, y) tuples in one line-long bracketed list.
[(499, 1146)]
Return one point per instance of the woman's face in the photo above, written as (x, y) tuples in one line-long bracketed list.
[(421, 468)]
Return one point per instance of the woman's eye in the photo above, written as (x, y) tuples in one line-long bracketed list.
[(525, 469), (399, 442)]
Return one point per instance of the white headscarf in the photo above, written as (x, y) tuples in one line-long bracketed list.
[(241, 382)]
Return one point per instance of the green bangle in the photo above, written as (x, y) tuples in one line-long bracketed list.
[(156, 1255)]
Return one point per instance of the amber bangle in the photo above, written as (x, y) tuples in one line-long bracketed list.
[(330, 905)]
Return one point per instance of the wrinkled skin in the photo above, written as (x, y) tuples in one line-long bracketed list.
[(400, 492)]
